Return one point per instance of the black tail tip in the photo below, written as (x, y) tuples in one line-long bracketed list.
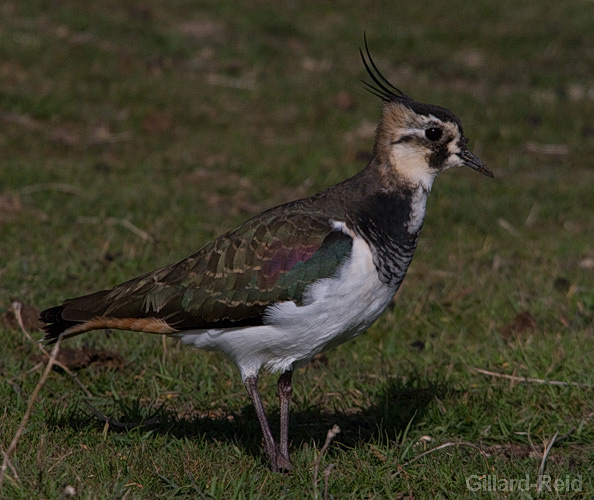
[(54, 324)]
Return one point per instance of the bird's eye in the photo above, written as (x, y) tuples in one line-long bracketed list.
[(433, 133)]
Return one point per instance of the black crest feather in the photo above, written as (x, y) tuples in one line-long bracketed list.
[(382, 88)]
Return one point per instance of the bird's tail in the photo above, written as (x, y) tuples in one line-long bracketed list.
[(69, 319), (95, 312)]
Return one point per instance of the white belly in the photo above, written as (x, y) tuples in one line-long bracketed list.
[(334, 310)]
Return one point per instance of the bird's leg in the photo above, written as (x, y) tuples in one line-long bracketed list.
[(285, 390), (278, 461)]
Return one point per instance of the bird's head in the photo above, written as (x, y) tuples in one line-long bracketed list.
[(417, 141)]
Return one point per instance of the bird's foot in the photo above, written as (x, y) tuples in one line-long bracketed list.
[(279, 462)]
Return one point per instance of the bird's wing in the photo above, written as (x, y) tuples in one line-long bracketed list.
[(228, 283)]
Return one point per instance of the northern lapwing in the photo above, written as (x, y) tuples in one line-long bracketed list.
[(300, 278)]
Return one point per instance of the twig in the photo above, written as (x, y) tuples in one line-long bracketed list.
[(508, 227), (115, 423), (543, 461), (560, 438), (32, 400), (20, 119), (40, 460), (52, 186), (530, 380), (332, 433), (566, 435), (327, 472), (141, 233), (239, 83), (60, 460), (15, 386), (28, 372), (548, 149), (532, 215), (529, 437), (441, 447), (10, 466), (16, 307)]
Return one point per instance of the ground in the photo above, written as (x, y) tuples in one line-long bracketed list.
[(131, 133)]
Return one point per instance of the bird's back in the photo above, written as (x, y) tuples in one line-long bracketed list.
[(272, 258)]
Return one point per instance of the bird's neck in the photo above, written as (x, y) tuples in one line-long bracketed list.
[(402, 168), (390, 221), (384, 209)]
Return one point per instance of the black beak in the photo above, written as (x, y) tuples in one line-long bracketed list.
[(469, 160)]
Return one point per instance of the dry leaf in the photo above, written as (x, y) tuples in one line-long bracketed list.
[(522, 323), (29, 316)]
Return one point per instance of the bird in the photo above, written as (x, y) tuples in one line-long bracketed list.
[(300, 278)]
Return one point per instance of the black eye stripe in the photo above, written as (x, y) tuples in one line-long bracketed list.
[(433, 134), (405, 138)]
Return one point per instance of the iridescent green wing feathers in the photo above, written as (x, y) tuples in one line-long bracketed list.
[(231, 281)]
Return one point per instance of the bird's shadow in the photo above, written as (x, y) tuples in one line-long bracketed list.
[(395, 407)]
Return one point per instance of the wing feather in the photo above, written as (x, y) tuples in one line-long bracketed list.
[(228, 283)]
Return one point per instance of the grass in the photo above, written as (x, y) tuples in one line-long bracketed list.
[(186, 118)]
